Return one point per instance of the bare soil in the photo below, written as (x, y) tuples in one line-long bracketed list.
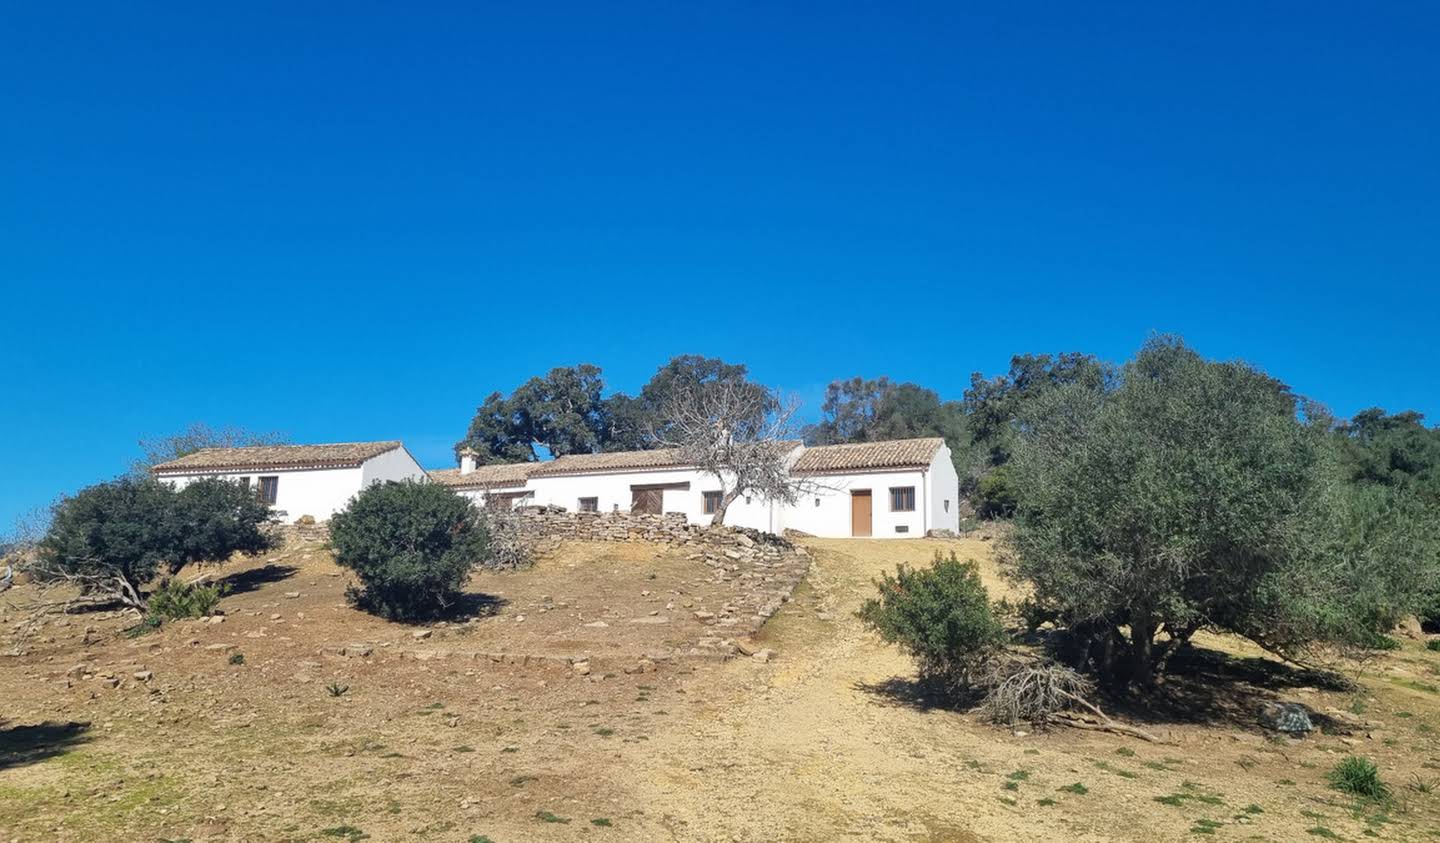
[(337, 724)]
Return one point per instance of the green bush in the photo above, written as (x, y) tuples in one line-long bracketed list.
[(995, 494), (1358, 777), (1433, 644), (113, 538), (411, 544), (941, 616), (175, 600)]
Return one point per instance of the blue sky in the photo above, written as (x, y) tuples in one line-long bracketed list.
[(354, 221)]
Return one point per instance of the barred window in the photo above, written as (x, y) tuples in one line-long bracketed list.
[(902, 499), (269, 488), (712, 502), (589, 504)]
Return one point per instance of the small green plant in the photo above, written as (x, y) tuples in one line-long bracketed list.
[(175, 599), (147, 624), (1119, 771), (349, 832), (1125, 752), (335, 689), (547, 817), (1011, 785), (1077, 788), (479, 838), (1019, 776), (463, 748), (602, 822), (519, 781), (1252, 808), (1433, 645), (1046, 802), (1322, 832), (604, 731), (237, 658), (1360, 778), (1204, 826), (1358, 706)]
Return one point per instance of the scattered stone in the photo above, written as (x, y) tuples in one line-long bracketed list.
[(651, 619), (144, 675), (421, 634), (219, 648), (291, 595), (1289, 718), (581, 668), (704, 616), (763, 655), (360, 650), (597, 624)]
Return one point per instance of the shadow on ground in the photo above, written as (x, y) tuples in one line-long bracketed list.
[(21, 745), (1201, 687), (254, 579)]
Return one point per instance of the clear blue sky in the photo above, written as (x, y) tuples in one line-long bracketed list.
[(353, 221)]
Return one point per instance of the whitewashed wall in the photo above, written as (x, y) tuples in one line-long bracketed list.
[(319, 492), (944, 494), (825, 510), (395, 465), (613, 491)]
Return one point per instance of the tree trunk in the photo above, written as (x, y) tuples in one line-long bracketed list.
[(725, 500)]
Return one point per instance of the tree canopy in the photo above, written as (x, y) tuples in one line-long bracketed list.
[(195, 437), (567, 412), (1185, 494)]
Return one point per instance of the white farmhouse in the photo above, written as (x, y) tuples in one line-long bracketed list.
[(653, 481), (488, 485), (890, 489), (297, 480)]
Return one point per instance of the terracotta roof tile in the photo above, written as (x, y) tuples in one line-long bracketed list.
[(612, 461), (335, 455), (484, 476), (895, 453)]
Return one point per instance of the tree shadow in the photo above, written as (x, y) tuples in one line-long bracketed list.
[(473, 604), (1201, 687), (1209, 687), (253, 579), (21, 745)]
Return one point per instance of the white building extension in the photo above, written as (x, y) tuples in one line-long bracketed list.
[(892, 489), (889, 489), (297, 480)]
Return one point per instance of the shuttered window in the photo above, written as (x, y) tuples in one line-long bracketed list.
[(712, 502), (902, 498), (269, 488)]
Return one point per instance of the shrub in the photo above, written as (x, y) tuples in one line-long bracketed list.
[(411, 544), (941, 616), (1433, 644), (1358, 777), (995, 495), (111, 539), (175, 600)]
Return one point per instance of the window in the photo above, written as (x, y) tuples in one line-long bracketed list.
[(902, 528), (712, 502), (902, 498), (269, 487), (947, 504), (589, 504), (817, 501), (243, 481)]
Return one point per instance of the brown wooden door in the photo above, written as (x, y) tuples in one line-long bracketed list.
[(647, 500), (860, 512)]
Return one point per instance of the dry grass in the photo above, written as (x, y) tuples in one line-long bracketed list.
[(831, 740)]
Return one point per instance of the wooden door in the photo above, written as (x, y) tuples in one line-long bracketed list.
[(860, 512), (647, 500)]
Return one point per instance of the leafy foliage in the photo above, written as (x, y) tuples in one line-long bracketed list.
[(174, 600), (115, 537), (1187, 494), (941, 616), (411, 544), (566, 411)]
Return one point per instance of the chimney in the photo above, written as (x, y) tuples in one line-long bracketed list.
[(467, 461)]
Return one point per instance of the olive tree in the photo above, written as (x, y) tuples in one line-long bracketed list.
[(1188, 495)]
